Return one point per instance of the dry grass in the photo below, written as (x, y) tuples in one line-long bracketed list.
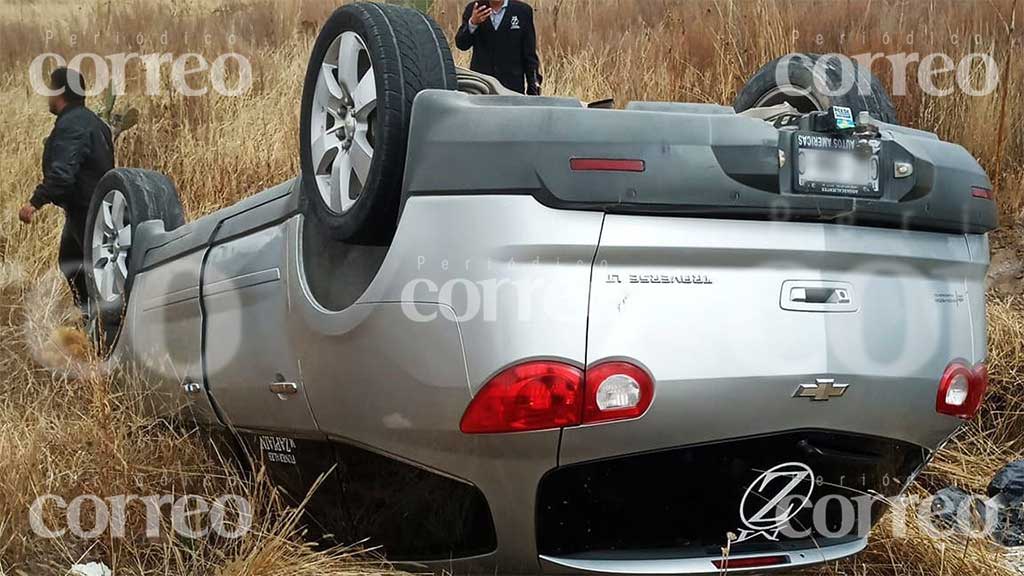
[(65, 430)]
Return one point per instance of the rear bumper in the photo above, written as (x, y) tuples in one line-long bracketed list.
[(657, 566), (699, 163)]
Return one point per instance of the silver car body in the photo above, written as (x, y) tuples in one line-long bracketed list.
[(250, 319)]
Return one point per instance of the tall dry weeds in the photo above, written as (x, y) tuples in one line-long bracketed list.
[(67, 429)]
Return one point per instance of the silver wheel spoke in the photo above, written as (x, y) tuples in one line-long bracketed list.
[(97, 276), (107, 217), (117, 206), (348, 60), (364, 97), (341, 177), (120, 274), (329, 93), (99, 249), (322, 152), (362, 157), (108, 291), (124, 238), (329, 75)]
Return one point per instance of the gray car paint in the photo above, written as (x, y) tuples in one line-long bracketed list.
[(733, 372), (245, 294), (162, 336), (726, 356)]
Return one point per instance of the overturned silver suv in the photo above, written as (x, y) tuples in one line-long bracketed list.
[(528, 336)]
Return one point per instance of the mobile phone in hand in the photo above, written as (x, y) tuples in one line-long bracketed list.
[(482, 3)]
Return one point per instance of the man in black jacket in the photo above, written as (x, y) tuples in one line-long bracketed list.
[(504, 43), (77, 154)]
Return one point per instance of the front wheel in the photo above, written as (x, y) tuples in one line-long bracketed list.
[(124, 198)]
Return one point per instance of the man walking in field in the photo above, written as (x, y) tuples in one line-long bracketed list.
[(78, 152), (504, 43)]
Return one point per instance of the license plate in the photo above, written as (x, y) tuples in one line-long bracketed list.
[(833, 165)]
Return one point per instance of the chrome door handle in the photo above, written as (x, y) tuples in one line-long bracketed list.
[(818, 296), (284, 388)]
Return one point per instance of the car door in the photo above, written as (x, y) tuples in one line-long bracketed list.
[(164, 337), (252, 371)]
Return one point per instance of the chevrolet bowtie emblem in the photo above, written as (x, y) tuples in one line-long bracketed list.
[(823, 390)]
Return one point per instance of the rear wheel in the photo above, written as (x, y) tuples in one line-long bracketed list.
[(367, 66), (813, 82), (124, 198)]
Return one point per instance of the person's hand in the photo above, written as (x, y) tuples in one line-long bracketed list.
[(26, 212), (480, 14)]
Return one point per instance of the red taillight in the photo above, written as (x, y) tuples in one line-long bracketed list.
[(961, 390), (544, 395), (606, 165), (537, 395), (751, 562), (979, 192), (616, 391)]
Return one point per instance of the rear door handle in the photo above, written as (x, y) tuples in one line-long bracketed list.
[(818, 296), (284, 389)]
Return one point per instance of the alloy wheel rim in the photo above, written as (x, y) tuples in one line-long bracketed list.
[(341, 134), (111, 244)]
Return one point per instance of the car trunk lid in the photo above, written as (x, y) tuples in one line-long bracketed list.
[(757, 327)]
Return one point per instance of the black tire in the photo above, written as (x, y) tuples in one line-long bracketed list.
[(409, 54), (147, 196), (807, 95)]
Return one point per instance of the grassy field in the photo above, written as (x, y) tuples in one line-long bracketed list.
[(66, 429)]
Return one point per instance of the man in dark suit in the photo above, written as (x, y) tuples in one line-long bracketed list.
[(504, 43)]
